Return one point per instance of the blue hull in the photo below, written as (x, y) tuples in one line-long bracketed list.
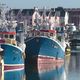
[(14, 75), (42, 46), (12, 55)]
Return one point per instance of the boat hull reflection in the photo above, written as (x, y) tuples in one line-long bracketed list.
[(44, 71)]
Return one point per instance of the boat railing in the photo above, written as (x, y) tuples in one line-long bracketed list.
[(47, 33)]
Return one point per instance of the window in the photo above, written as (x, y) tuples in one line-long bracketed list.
[(38, 33), (51, 34), (33, 34), (11, 36), (1, 35), (42, 33), (6, 36)]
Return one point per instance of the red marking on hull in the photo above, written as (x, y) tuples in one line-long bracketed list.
[(6, 67), (48, 66), (46, 59)]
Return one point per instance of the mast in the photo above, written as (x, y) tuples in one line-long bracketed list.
[(36, 19), (66, 18), (45, 22), (19, 16), (3, 21), (20, 28), (51, 19), (44, 15)]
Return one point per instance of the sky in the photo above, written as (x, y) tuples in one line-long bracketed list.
[(25, 4)]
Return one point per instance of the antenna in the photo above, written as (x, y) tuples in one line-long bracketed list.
[(44, 14)]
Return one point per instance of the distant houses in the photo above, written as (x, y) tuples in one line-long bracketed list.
[(59, 15)]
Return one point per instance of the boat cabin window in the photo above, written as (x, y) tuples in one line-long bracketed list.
[(38, 33), (6, 36), (35, 34), (48, 34), (51, 34), (11, 36), (1, 35), (32, 34), (45, 33), (42, 33)]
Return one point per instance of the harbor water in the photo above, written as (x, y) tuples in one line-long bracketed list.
[(69, 70)]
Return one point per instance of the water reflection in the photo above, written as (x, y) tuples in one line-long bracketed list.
[(31, 72), (53, 72), (74, 67), (69, 70), (44, 71), (14, 75)]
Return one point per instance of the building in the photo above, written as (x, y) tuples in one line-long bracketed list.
[(72, 15)]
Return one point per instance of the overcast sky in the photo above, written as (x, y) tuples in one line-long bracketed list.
[(41, 3)]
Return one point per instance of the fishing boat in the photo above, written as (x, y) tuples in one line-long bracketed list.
[(75, 42), (13, 58), (13, 50), (44, 44)]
